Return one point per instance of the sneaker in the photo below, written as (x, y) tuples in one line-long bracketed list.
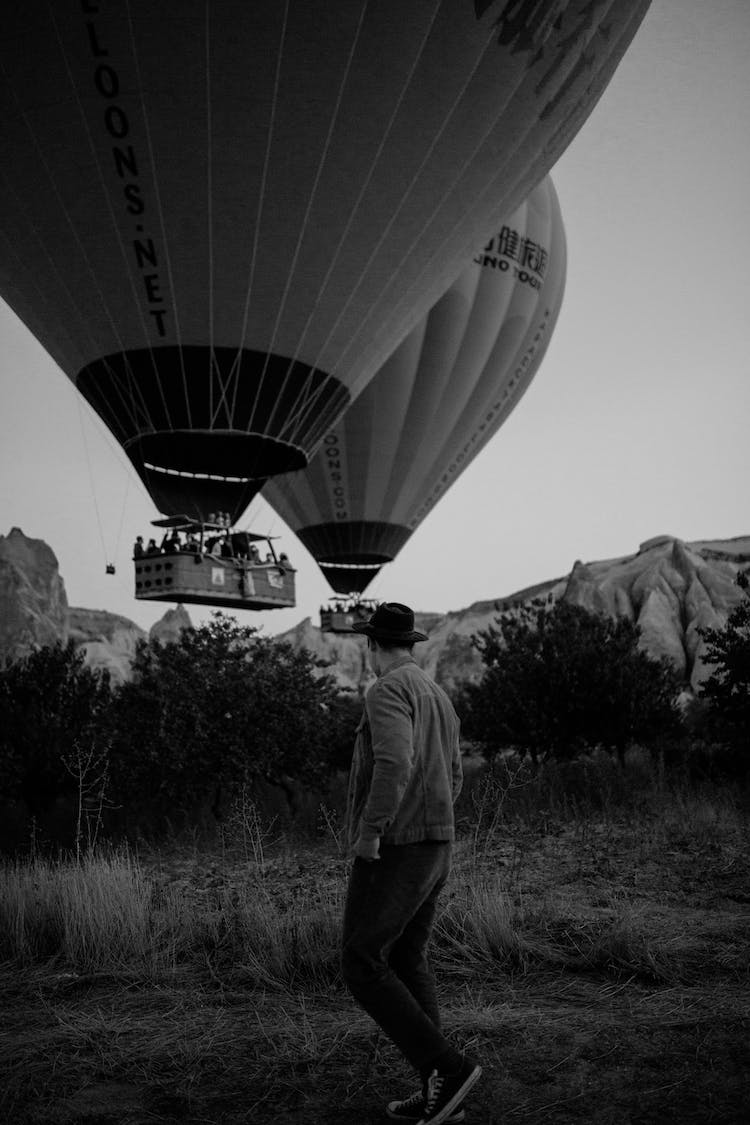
[(412, 1109), (445, 1092)]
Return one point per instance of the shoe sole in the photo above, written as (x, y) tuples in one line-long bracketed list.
[(455, 1119), (458, 1097)]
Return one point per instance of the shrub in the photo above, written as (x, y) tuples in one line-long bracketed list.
[(53, 710), (726, 693), (218, 709), (559, 680)]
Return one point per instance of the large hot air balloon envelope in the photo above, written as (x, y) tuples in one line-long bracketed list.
[(434, 404), (220, 218)]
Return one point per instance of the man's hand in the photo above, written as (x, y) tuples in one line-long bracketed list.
[(367, 849)]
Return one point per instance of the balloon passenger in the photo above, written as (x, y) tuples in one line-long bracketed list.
[(138, 551), (240, 544), (152, 549), (405, 777), (170, 544)]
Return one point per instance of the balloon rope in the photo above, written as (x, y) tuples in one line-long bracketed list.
[(407, 192), (355, 208), (408, 254), (212, 366), (256, 233), (376, 584), (303, 406), (91, 476), (122, 514), (273, 523), (590, 92), (162, 224), (313, 191), (250, 514), (107, 197), (408, 251)]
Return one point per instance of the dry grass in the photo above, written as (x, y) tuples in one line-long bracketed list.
[(599, 968)]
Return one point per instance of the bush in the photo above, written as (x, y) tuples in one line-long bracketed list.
[(560, 680), (53, 711), (218, 709), (725, 695)]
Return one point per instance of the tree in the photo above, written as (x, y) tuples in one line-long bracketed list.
[(217, 709), (53, 710), (560, 679), (726, 692)]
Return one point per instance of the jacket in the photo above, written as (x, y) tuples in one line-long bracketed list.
[(406, 770)]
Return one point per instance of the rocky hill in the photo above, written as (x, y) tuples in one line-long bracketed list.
[(34, 612), (670, 588), (33, 605), (107, 640)]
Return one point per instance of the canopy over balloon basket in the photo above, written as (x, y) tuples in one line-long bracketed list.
[(195, 577), (342, 614)]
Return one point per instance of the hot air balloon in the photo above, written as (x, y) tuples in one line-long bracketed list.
[(434, 404), (220, 218)]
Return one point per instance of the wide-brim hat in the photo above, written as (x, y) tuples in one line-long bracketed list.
[(392, 622)]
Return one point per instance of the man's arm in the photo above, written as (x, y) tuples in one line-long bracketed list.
[(389, 714)]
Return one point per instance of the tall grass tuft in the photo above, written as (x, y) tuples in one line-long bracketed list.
[(480, 924), (271, 923), (97, 915), (104, 915), (284, 947)]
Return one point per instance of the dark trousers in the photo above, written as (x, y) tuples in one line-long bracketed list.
[(390, 909)]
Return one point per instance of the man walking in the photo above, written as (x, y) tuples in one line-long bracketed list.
[(405, 777)]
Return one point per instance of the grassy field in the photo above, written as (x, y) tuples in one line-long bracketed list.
[(596, 960)]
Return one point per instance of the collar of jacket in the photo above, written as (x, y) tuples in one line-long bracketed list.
[(398, 664)]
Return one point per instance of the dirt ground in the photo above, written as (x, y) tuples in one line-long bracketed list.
[(620, 995)]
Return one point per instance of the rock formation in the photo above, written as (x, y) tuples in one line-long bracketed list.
[(168, 628), (33, 605), (347, 654), (671, 589), (34, 612), (106, 639)]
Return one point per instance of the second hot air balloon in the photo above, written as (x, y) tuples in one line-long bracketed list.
[(434, 404)]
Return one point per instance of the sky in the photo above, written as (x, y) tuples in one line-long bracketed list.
[(636, 425)]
